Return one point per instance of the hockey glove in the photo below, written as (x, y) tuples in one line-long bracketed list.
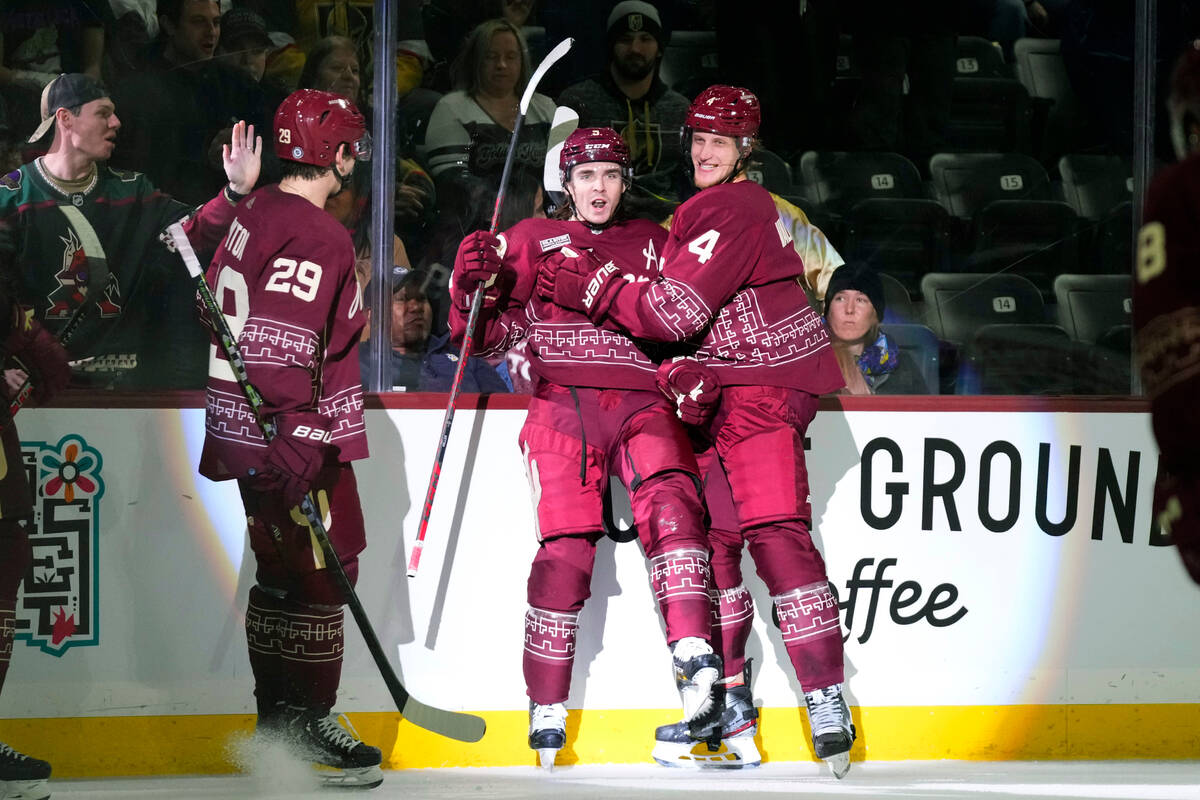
[(479, 261), (1177, 511), (694, 388), (295, 456), (579, 282), (39, 354)]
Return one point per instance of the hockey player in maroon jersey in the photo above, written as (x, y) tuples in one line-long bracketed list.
[(1166, 316), (284, 276), (595, 412), (728, 284), (29, 350)]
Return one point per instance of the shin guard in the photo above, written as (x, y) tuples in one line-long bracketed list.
[(295, 651), (733, 616), (549, 654), (812, 633), (681, 580)]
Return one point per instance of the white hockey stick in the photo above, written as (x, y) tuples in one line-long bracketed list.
[(452, 724), (554, 55), (566, 120)]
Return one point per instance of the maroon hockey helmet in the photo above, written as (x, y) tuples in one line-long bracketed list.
[(586, 145), (310, 124), (725, 111)]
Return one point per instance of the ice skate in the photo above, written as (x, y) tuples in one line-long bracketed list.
[(729, 744), (342, 759), (22, 777), (547, 731), (697, 669), (832, 731)]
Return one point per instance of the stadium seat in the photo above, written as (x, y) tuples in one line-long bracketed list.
[(845, 67), (899, 305), (1114, 241), (1091, 306), (1038, 239), (958, 304), (920, 345), (1018, 359), (837, 180), (905, 238), (966, 182), (1095, 185), (1040, 68), (978, 57), (989, 114), (689, 62), (770, 171)]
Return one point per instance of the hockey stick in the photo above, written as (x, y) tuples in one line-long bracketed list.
[(452, 724), (554, 55), (64, 336), (566, 120)]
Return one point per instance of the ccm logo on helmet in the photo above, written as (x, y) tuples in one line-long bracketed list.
[(311, 433)]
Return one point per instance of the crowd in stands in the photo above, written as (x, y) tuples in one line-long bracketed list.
[(970, 161)]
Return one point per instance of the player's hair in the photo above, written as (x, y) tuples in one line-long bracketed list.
[(468, 66), (296, 169), (321, 51)]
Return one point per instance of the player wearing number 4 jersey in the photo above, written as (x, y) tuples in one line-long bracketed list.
[(284, 277), (596, 411), (729, 283)]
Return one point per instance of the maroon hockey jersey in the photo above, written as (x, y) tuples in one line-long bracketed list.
[(284, 276), (564, 347), (1166, 311), (728, 279)]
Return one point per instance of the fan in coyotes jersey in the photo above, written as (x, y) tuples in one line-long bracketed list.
[(1166, 317), (284, 277), (729, 283), (595, 412)]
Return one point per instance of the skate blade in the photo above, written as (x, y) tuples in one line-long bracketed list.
[(546, 757), (738, 752), (840, 764), (350, 778), (24, 790)]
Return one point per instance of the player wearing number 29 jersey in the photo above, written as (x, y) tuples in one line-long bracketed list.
[(284, 278)]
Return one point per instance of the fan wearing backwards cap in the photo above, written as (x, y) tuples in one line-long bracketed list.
[(596, 412), (728, 285), (73, 229)]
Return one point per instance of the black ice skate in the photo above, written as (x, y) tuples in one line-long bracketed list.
[(22, 777), (342, 759), (729, 745), (547, 731), (832, 731), (697, 669)]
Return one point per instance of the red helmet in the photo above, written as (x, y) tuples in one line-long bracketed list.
[(725, 111), (586, 145), (310, 124)]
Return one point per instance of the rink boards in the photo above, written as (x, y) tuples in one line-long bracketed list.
[(1004, 594)]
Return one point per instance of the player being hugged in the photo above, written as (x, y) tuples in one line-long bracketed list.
[(728, 281), (596, 412), (284, 277)]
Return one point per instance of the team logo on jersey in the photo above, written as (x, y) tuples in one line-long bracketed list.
[(73, 280), (12, 180), (58, 605), (555, 242)]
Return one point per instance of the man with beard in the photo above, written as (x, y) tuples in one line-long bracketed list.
[(420, 363), (630, 97)]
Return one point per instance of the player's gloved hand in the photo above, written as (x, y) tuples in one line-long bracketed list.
[(295, 456), (1177, 511), (576, 280), (479, 260), (39, 354), (694, 388)]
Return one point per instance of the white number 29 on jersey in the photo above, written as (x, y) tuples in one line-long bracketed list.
[(301, 279), (704, 244)]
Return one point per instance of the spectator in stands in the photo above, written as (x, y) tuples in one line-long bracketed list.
[(470, 128), (869, 359), (421, 362), (181, 99), (244, 43), (629, 97), (77, 234), (40, 39), (447, 24)]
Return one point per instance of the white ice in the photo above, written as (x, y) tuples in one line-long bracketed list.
[(937, 780)]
